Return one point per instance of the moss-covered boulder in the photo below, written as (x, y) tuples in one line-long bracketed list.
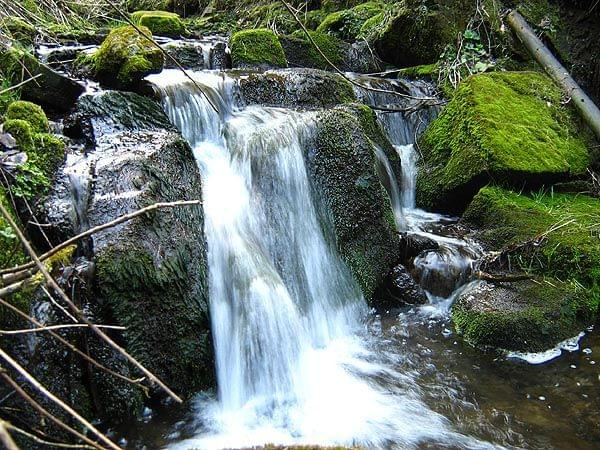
[(344, 168), (552, 237), (523, 316), (22, 132), (300, 52), (347, 24), (510, 127), (125, 57), (30, 112), (300, 87), (19, 30), (49, 88), (412, 34), (256, 48), (160, 23)]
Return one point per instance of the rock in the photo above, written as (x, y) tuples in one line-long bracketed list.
[(150, 272), (399, 289), (160, 23), (522, 316), (300, 87), (412, 34), (49, 88), (510, 127), (347, 24), (342, 164), (256, 48), (189, 55), (125, 57), (300, 52), (412, 245)]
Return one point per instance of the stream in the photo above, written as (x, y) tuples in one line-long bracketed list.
[(300, 358)]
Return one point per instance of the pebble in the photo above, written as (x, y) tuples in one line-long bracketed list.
[(542, 398)]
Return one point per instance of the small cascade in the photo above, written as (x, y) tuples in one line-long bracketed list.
[(388, 179)]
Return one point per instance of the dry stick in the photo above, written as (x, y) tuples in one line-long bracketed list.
[(339, 71), (59, 327), (58, 305), (19, 84), (480, 275), (54, 285), (12, 288), (38, 440), (6, 439), (157, 45), (74, 349), (98, 228), (19, 390), (38, 386), (11, 278)]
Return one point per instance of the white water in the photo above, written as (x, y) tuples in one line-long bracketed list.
[(295, 363)]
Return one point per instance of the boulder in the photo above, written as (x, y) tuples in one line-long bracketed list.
[(510, 127), (124, 58), (256, 48), (522, 316), (150, 272), (160, 23), (347, 24), (19, 30), (343, 165), (30, 112), (301, 87), (399, 289), (49, 88)]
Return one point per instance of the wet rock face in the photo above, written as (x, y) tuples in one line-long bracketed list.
[(150, 271), (300, 87), (399, 289)]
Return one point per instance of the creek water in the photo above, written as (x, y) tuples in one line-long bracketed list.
[(300, 358)]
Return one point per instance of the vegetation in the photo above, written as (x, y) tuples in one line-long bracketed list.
[(160, 23), (257, 47)]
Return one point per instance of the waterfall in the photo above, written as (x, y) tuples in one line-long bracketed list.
[(294, 363)]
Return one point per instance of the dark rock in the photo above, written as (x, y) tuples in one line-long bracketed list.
[(412, 245), (399, 289)]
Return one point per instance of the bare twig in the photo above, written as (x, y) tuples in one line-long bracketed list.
[(16, 86), (59, 327), (480, 275), (6, 438), (39, 387), (99, 228), (38, 440), (78, 313), (40, 409)]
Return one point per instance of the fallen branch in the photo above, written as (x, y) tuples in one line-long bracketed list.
[(480, 275), (39, 387), (586, 107), (78, 313), (38, 440), (96, 229), (16, 86), (25, 396), (59, 327), (6, 439)]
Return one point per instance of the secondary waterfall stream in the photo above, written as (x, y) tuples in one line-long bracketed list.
[(300, 358)]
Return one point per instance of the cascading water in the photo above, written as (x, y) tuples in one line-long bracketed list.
[(294, 364)]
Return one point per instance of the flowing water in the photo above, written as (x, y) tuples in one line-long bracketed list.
[(300, 359)]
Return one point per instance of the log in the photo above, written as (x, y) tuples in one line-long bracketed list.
[(586, 107)]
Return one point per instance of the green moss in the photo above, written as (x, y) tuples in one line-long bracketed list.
[(257, 47), (149, 5), (49, 153), (19, 30), (301, 52), (22, 132), (160, 22), (416, 72), (11, 251), (30, 112), (347, 24), (125, 57), (571, 251), (544, 314), (510, 127), (370, 25)]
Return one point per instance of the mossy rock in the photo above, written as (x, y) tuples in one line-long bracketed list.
[(256, 48), (300, 52), (504, 218), (149, 5), (343, 166), (524, 316), (30, 112), (510, 127), (22, 132), (161, 23), (412, 35), (347, 24), (125, 57), (19, 30), (427, 71), (11, 250), (49, 153)]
